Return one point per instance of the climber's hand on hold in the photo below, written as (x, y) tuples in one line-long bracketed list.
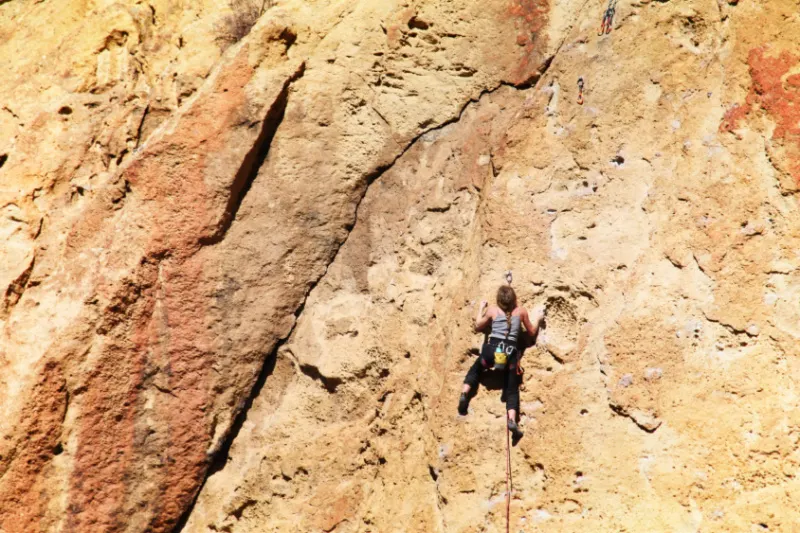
[(482, 319), (538, 314)]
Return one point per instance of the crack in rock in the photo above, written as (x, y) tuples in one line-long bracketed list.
[(244, 180), (643, 421), (254, 159), (15, 290)]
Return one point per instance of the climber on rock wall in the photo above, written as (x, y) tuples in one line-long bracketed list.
[(501, 350)]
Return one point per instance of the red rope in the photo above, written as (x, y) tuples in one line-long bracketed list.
[(508, 477)]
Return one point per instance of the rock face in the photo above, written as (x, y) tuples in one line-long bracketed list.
[(244, 245)]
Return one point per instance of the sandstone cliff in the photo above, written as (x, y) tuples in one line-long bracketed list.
[(244, 242)]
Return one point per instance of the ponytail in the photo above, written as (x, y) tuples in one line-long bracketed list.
[(507, 301)]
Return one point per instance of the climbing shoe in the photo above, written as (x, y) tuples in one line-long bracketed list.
[(516, 434), (463, 403)]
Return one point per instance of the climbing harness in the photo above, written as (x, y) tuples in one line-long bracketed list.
[(608, 18), (580, 91), (509, 483), (501, 353)]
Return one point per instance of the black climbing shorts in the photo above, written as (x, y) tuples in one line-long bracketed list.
[(511, 377)]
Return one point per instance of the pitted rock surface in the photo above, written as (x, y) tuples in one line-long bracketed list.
[(242, 258)]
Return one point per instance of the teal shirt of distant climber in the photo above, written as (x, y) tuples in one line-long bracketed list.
[(501, 350)]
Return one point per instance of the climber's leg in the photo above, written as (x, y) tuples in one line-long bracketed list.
[(482, 362), (512, 392), (512, 399), (470, 384), (511, 383), (472, 380)]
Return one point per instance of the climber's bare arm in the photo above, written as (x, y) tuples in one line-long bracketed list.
[(484, 316), (532, 326)]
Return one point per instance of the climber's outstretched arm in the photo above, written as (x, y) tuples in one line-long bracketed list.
[(484, 316)]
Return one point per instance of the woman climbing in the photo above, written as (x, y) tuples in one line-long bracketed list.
[(500, 350)]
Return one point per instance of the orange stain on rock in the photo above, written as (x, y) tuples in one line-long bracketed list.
[(24, 494), (793, 80), (773, 92), (172, 179), (530, 18)]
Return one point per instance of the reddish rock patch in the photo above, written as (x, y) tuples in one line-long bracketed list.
[(775, 93), (102, 464), (189, 382), (531, 17), (768, 91), (732, 117), (794, 80), (24, 493), (167, 334)]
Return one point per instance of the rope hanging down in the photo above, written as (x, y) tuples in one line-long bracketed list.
[(509, 278), (509, 483), (608, 18)]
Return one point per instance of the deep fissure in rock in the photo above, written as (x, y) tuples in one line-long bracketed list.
[(220, 459), (244, 180), (253, 161)]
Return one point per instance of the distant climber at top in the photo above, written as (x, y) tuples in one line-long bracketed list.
[(501, 351)]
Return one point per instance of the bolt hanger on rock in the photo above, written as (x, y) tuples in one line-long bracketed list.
[(608, 18), (580, 90)]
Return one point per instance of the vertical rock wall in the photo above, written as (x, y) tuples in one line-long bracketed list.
[(659, 234), (240, 270)]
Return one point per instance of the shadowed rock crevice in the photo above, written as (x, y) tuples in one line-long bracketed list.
[(244, 180), (648, 424), (254, 159), (218, 461), (15, 290), (533, 80), (330, 383)]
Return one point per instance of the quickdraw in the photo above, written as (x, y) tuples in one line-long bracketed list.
[(580, 91), (608, 18)]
